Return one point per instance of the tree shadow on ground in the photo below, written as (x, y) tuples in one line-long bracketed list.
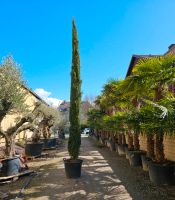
[(135, 180), (52, 184), (105, 175)]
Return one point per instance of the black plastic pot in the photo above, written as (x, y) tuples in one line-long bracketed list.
[(161, 174), (135, 158), (61, 135), (10, 166), (121, 149), (49, 142), (73, 168), (33, 149), (145, 161)]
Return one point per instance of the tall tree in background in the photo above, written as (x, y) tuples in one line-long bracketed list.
[(75, 98)]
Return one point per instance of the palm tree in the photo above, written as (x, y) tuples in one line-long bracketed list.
[(149, 83)]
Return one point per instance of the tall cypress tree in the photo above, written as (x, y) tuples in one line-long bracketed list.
[(75, 98)]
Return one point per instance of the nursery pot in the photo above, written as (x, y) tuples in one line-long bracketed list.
[(10, 166), (161, 174), (61, 136), (73, 167), (121, 149), (33, 149), (145, 161), (49, 142), (135, 158)]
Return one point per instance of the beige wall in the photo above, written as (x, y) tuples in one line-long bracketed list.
[(142, 141), (10, 119), (169, 147)]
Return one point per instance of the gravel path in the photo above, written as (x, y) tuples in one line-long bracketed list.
[(105, 175)]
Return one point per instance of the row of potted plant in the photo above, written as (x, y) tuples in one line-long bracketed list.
[(143, 103), (159, 173)]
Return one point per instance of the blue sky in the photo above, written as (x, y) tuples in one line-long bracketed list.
[(38, 34)]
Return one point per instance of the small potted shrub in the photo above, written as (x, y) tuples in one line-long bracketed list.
[(73, 164)]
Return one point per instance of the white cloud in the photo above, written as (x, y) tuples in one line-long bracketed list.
[(45, 95)]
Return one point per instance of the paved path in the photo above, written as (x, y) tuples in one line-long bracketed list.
[(104, 176), (98, 181)]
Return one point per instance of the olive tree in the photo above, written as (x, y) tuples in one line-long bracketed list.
[(49, 117), (12, 99)]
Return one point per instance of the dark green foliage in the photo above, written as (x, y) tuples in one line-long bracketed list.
[(95, 118), (143, 103), (75, 99)]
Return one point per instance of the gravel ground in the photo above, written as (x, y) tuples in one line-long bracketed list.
[(105, 175)]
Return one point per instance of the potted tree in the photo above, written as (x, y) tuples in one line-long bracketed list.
[(134, 153), (160, 170), (115, 122), (12, 100), (34, 145), (73, 164), (151, 79), (50, 118)]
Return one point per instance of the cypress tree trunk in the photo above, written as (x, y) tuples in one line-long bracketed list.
[(75, 99)]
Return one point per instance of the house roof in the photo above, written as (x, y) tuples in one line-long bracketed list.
[(35, 95), (134, 60), (171, 49)]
